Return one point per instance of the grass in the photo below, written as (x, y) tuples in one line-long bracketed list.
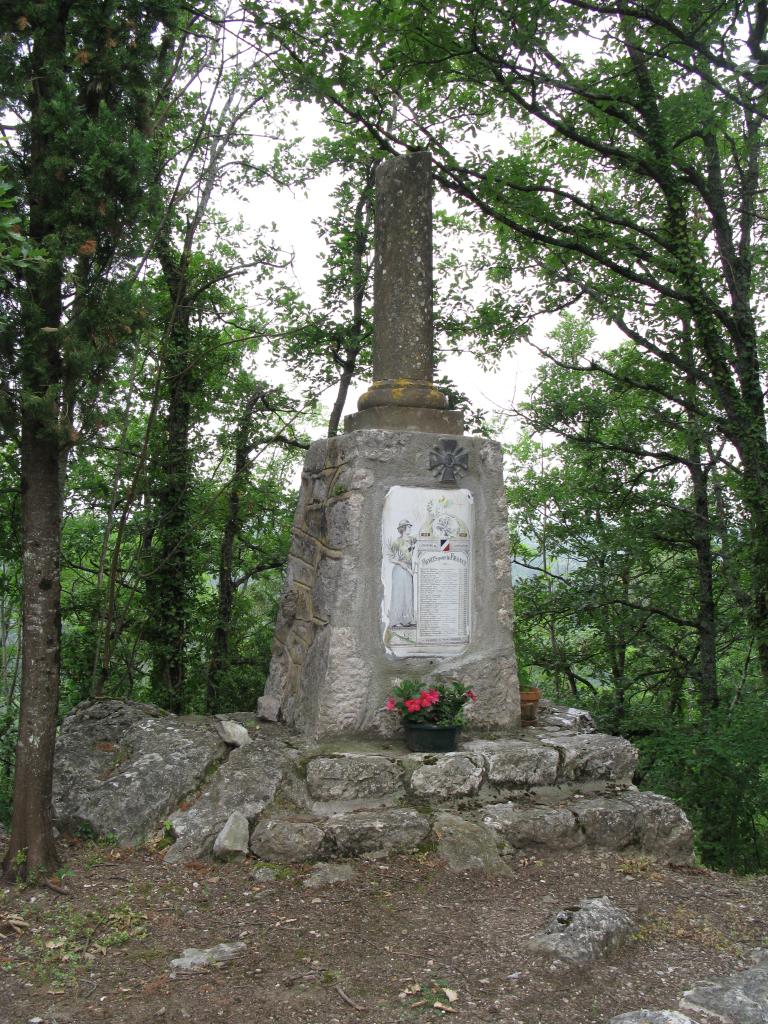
[(64, 940)]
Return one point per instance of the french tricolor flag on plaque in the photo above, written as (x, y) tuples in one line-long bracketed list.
[(445, 545)]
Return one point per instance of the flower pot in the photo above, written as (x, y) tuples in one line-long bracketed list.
[(529, 706), (430, 739)]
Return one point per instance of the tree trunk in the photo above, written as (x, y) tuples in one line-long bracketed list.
[(706, 622), (169, 582), (168, 585), (702, 540), (220, 654), (32, 849)]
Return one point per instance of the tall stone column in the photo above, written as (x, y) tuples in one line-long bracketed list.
[(403, 396)]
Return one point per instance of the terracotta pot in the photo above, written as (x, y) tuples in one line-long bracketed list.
[(529, 706)]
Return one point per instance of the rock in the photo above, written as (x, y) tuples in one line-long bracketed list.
[(651, 1017), (246, 783), (594, 757), (665, 830), (740, 998), (608, 822), (536, 826), (286, 842), (466, 846), (247, 718), (194, 959), (121, 768), (268, 708), (364, 831), (447, 776), (264, 874), (647, 821), (520, 764), (329, 874), (560, 717), (232, 842), (590, 930), (233, 734), (362, 778)]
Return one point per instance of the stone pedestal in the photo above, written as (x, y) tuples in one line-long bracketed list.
[(342, 637)]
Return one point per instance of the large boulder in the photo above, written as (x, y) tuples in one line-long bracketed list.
[(121, 768), (247, 783)]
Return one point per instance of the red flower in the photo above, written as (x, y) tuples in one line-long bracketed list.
[(429, 697), (472, 695), (391, 704), (414, 704)]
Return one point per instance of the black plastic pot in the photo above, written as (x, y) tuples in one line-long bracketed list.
[(431, 739)]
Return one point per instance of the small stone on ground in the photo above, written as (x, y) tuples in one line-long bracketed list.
[(589, 930), (328, 874), (232, 842), (194, 959), (651, 1017), (233, 734), (263, 874)]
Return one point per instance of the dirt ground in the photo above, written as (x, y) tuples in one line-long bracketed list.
[(381, 948)]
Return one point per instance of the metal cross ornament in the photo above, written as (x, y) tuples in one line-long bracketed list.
[(448, 461)]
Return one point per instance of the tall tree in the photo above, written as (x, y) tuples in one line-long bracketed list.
[(79, 84)]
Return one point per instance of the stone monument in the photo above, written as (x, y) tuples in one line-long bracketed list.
[(399, 562)]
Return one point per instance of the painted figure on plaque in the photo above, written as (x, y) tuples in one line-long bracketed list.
[(426, 572), (441, 523), (401, 548)]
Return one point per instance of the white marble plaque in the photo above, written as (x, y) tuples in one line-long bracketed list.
[(426, 537)]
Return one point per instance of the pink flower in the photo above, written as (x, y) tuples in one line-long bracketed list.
[(413, 704), (391, 705), (429, 697), (472, 695)]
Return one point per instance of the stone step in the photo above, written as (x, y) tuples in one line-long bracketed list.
[(122, 769), (549, 763), (629, 821)]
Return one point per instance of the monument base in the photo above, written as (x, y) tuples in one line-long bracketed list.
[(404, 417), (346, 618)]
